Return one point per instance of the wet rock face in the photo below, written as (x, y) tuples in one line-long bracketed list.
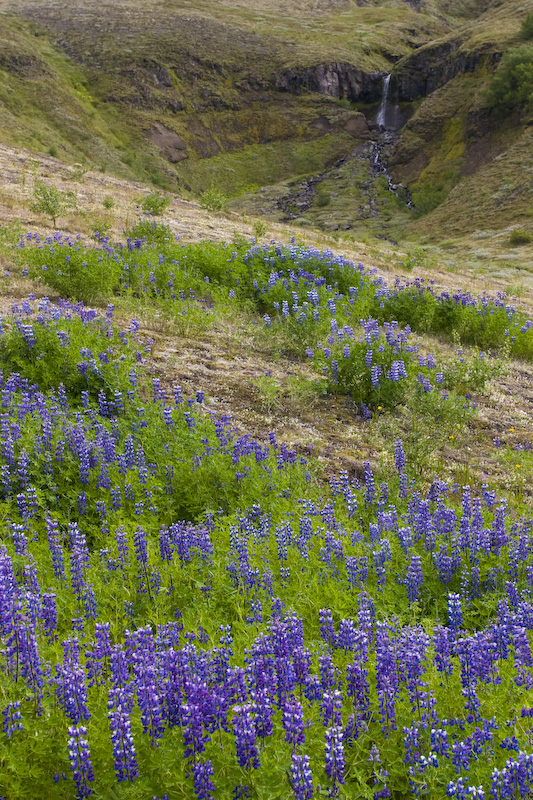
[(430, 68), (169, 142), (334, 80)]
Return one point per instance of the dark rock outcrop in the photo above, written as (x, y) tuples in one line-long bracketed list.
[(169, 142), (431, 67), (339, 80), (357, 127)]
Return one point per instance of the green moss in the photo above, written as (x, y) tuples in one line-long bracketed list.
[(264, 164)]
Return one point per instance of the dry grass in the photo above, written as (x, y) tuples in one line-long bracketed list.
[(237, 368)]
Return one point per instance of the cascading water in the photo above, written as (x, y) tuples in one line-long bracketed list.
[(388, 120), (385, 141), (380, 119)]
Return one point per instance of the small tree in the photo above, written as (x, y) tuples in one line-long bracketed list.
[(213, 200), (50, 201), (155, 204), (526, 31)]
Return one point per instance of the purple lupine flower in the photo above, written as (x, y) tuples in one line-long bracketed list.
[(347, 636), (149, 701), (139, 541), (293, 722), (203, 785), (439, 741), (22, 652), (461, 753), (399, 455), (54, 543), (328, 673), (411, 743), (49, 613), (12, 719), (301, 778), (71, 690), (357, 569), (79, 558), (443, 649), (414, 578), (194, 737), (123, 745), (334, 755), (244, 730), (331, 707), (444, 564), (264, 712), (357, 683), (80, 761), (89, 602), (455, 613), (370, 493), (386, 677), (121, 538), (327, 630), (366, 613)]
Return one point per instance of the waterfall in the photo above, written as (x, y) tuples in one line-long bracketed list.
[(383, 141), (380, 119)]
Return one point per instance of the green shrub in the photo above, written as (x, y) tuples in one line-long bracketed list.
[(519, 237), (512, 83), (100, 227), (155, 204), (378, 369), (79, 172), (526, 30), (323, 197), (68, 345), (73, 271), (108, 202), (260, 228), (151, 231), (213, 200), (51, 201), (427, 197)]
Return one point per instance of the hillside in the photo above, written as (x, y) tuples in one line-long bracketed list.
[(266, 509), (265, 463), (276, 110)]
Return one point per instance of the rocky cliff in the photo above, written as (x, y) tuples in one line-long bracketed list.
[(333, 80), (433, 66)]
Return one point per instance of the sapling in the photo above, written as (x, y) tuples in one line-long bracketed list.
[(155, 204), (51, 201)]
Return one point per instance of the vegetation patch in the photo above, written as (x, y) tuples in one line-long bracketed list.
[(170, 585)]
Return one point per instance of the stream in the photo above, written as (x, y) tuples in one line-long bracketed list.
[(389, 120)]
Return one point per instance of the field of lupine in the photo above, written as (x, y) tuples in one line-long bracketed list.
[(188, 612)]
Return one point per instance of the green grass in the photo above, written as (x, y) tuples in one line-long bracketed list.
[(216, 562), (232, 173)]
